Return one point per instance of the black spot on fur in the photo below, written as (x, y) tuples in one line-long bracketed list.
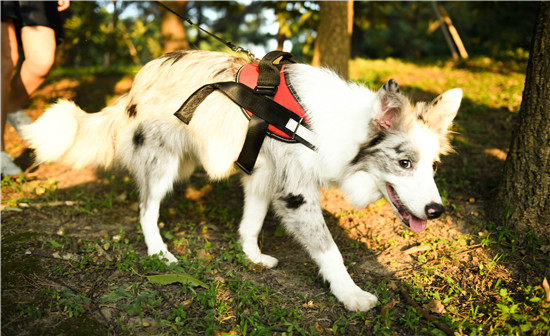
[(378, 138), (293, 201), (139, 137), (367, 149), (391, 85), (131, 110), (174, 56), (399, 149)]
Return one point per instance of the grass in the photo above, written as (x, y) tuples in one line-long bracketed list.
[(81, 268)]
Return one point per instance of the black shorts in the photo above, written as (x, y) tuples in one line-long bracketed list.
[(34, 13)]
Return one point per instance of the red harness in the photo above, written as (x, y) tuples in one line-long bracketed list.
[(267, 100), (285, 96)]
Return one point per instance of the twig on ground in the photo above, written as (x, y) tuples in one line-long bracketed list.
[(48, 204), (54, 255)]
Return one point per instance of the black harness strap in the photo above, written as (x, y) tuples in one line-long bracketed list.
[(186, 111), (268, 78), (258, 100), (257, 129), (263, 107)]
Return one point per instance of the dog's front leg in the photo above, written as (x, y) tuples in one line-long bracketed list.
[(256, 204), (302, 216)]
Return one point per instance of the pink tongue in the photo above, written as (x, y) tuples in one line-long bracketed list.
[(417, 224)]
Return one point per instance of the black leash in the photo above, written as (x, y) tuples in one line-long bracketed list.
[(230, 45)]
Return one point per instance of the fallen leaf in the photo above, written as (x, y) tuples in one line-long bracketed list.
[(385, 312), (308, 304), (203, 254), (416, 249), (435, 306), (167, 279), (388, 306)]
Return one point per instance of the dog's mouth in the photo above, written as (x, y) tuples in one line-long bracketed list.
[(414, 223)]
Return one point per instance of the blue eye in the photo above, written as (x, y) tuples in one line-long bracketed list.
[(406, 164)]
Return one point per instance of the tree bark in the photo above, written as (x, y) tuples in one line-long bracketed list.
[(523, 199), (172, 28), (333, 43)]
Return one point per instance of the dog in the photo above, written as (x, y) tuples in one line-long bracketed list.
[(370, 144)]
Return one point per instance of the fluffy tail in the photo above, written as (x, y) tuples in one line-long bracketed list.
[(67, 134)]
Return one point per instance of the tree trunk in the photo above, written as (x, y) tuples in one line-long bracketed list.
[(112, 35), (333, 44), (523, 199), (172, 28)]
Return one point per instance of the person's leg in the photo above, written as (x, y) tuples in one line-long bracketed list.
[(39, 47), (10, 55)]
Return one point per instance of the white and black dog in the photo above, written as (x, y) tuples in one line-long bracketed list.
[(369, 144)]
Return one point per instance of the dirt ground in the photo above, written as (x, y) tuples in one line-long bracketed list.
[(84, 206)]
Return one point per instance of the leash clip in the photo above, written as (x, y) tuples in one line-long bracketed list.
[(247, 52)]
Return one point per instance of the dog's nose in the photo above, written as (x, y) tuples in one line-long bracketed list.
[(434, 210)]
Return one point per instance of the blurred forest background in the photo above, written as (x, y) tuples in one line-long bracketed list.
[(121, 33)]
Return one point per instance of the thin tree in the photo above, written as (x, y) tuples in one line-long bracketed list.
[(173, 32), (523, 199), (333, 44)]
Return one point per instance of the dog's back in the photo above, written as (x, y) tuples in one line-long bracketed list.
[(143, 119)]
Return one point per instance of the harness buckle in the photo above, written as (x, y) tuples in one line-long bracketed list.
[(269, 90), (297, 126)]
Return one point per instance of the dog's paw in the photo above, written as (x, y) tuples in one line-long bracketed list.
[(264, 260), (165, 256), (169, 258), (356, 299)]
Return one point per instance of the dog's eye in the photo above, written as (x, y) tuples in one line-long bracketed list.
[(405, 164), (434, 165)]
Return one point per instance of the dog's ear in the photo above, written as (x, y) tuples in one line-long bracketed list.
[(440, 113), (388, 105)]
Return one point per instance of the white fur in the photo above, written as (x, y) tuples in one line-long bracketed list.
[(333, 270), (49, 144), (139, 132)]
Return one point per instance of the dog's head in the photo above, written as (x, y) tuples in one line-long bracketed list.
[(400, 158)]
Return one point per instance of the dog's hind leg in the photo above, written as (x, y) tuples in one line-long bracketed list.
[(154, 186), (155, 169), (256, 204), (298, 206)]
